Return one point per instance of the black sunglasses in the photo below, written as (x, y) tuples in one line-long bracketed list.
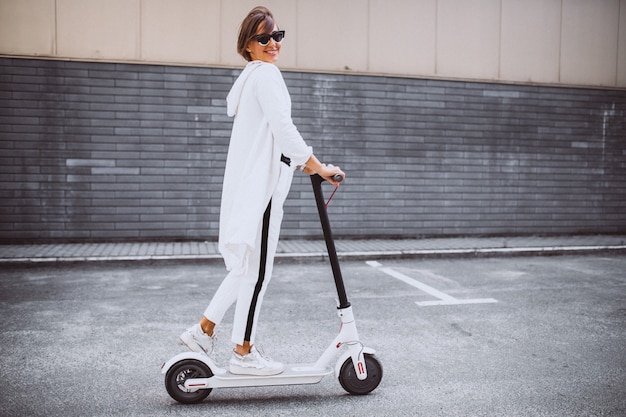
[(264, 40)]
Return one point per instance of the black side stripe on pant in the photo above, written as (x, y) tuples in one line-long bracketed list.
[(259, 283)]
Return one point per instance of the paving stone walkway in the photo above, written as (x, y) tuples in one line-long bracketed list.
[(308, 249)]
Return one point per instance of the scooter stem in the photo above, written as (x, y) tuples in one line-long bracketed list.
[(316, 181)]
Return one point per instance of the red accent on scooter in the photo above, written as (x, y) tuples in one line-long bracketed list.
[(361, 368)]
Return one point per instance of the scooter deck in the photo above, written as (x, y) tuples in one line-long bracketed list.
[(294, 374)]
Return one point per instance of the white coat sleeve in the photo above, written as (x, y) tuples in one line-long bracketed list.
[(275, 101)]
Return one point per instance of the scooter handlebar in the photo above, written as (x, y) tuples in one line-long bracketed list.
[(319, 179)]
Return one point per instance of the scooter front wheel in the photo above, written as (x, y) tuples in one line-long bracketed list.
[(349, 381), (180, 372)]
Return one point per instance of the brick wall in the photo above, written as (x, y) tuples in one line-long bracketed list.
[(97, 151)]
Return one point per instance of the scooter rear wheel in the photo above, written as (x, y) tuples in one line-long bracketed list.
[(180, 372), (352, 384)]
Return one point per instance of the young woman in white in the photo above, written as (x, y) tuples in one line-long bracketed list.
[(265, 148)]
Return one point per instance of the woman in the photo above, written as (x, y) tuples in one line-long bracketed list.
[(265, 148)]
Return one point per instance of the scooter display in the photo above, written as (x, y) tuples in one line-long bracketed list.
[(190, 376)]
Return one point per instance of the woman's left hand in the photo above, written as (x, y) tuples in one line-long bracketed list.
[(329, 171), (314, 166)]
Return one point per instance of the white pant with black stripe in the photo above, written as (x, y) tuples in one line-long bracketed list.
[(248, 289)]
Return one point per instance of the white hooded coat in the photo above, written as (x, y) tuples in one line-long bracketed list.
[(262, 131)]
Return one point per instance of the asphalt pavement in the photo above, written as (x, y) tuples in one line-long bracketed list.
[(457, 334)]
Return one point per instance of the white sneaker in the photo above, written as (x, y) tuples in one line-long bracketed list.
[(254, 363), (198, 341)]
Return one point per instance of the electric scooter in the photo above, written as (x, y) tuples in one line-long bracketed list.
[(190, 376)]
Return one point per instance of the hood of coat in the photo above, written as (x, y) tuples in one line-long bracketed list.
[(234, 96)]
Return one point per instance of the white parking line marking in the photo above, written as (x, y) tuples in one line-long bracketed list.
[(443, 298)]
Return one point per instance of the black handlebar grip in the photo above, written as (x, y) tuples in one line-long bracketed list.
[(337, 177)]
